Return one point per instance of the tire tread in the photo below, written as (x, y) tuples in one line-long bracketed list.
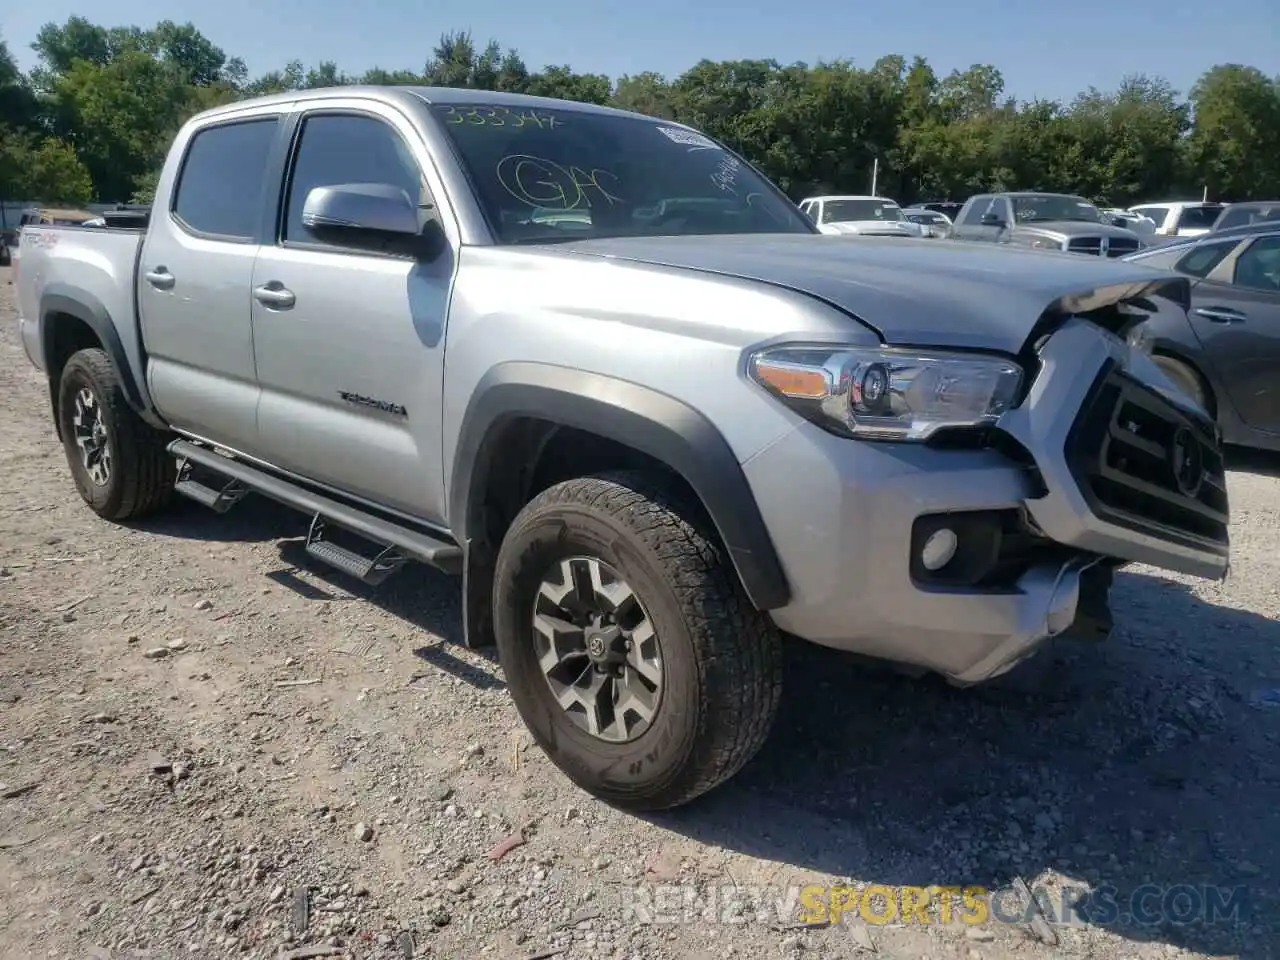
[(141, 450), (742, 692)]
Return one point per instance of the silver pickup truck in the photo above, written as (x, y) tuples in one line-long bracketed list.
[(597, 365)]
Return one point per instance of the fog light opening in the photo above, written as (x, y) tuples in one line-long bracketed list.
[(939, 549)]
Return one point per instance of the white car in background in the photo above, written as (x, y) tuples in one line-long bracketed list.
[(1180, 218), (1130, 221), (930, 222), (860, 216)]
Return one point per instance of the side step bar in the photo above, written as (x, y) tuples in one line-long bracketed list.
[(397, 543)]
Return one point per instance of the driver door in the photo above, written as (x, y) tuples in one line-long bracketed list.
[(350, 343)]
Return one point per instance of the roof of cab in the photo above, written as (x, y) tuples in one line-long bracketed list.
[(405, 95)]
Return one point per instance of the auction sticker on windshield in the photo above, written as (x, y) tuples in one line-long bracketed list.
[(689, 138)]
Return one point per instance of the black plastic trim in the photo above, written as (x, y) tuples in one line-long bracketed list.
[(1080, 459), (653, 423), (61, 298)]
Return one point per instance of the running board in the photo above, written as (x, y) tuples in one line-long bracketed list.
[(396, 543), (219, 499)]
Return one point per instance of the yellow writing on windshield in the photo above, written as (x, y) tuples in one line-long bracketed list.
[(544, 183)]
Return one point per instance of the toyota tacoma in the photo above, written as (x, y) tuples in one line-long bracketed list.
[(602, 370)]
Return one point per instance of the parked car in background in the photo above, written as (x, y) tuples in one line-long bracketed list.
[(948, 208), (1043, 221), (1246, 214), (1144, 226), (1224, 351), (930, 222), (1179, 218), (863, 216)]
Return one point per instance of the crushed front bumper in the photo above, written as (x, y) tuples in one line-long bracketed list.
[(844, 516)]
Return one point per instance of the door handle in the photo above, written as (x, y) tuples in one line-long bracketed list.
[(160, 278), (1221, 314), (274, 295)]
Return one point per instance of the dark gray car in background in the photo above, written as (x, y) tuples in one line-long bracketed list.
[(1225, 350), (1043, 221)]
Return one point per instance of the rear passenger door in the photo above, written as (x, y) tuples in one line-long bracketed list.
[(351, 367), (1236, 313), (193, 279)]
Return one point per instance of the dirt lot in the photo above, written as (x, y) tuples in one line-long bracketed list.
[(208, 748)]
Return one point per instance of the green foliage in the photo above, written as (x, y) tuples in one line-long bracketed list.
[(96, 117), (34, 167)]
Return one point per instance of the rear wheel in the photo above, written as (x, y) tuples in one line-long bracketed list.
[(119, 462), (631, 651)]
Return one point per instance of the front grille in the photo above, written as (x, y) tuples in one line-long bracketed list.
[(1097, 246), (1144, 464)]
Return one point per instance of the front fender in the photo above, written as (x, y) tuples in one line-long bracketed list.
[(653, 423)]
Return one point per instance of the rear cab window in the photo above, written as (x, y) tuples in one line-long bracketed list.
[(219, 194), (543, 174), (1158, 214), (1197, 217), (1245, 214)]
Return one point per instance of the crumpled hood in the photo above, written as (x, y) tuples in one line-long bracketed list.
[(912, 292)]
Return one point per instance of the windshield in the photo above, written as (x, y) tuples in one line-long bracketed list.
[(547, 174), (925, 217), (1030, 209), (1245, 214), (847, 211)]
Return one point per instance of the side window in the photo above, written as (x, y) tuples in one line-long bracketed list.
[(977, 207), (220, 186), (347, 148), (1200, 260), (1259, 266)]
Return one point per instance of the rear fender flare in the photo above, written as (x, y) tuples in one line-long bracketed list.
[(60, 299), (653, 423)]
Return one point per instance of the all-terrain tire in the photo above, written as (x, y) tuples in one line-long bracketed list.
[(722, 659), (141, 475)]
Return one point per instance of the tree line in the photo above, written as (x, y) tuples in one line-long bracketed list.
[(93, 120)]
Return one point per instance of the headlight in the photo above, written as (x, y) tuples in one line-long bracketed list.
[(885, 393), (1046, 243)]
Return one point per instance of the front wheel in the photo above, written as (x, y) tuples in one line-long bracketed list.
[(630, 649), (1186, 378), (118, 461)]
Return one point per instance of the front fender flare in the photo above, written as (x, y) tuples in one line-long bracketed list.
[(653, 423)]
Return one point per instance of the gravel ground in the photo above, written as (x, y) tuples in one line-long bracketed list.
[(209, 748)]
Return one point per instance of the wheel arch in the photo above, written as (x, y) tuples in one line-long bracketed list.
[(72, 319), (517, 410), (1173, 350)]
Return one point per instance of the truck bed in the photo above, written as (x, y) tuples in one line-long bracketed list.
[(95, 266)]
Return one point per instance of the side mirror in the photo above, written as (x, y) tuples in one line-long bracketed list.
[(992, 220), (368, 216)]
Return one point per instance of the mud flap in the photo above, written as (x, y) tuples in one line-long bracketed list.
[(1093, 612)]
